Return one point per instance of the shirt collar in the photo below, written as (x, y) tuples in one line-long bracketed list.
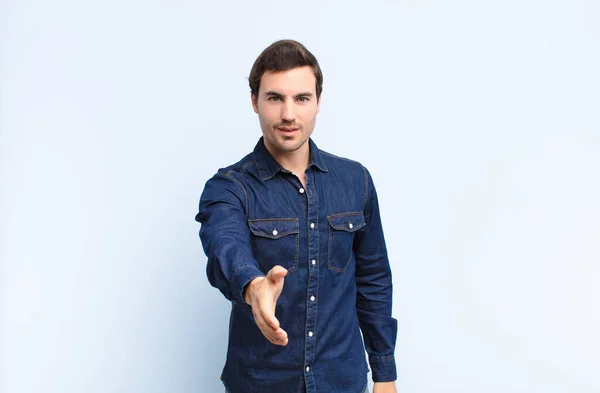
[(268, 167)]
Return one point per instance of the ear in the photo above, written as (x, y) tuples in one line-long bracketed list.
[(254, 102), (319, 102)]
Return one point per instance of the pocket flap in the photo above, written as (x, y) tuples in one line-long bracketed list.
[(348, 222), (274, 228)]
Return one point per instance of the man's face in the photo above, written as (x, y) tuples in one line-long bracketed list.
[(287, 108)]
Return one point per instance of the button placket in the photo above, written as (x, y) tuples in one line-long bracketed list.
[(313, 279)]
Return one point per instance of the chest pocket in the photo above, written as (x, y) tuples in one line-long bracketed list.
[(275, 241), (342, 227)]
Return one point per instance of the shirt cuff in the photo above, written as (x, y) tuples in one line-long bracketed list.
[(241, 278), (383, 368)]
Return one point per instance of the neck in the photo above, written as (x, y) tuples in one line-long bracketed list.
[(294, 161)]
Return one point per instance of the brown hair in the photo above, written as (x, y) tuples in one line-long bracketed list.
[(284, 55)]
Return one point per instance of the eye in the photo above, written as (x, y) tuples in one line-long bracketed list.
[(273, 98), (303, 99)]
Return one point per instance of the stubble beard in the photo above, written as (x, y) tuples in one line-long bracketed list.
[(284, 144)]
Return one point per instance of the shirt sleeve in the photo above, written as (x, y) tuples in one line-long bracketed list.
[(374, 290), (225, 237)]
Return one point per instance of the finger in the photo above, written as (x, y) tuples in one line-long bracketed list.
[(272, 337), (282, 339), (260, 320), (278, 335), (266, 330), (278, 341), (281, 334), (270, 319), (265, 318), (268, 333), (272, 323)]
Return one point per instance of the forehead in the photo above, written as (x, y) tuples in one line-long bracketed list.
[(299, 79)]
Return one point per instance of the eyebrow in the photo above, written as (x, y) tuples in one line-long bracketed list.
[(276, 94)]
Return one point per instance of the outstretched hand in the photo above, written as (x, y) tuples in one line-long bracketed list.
[(262, 294)]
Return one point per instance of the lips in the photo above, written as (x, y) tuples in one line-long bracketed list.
[(286, 129)]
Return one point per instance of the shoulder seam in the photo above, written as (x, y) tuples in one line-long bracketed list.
[(338, 157), (246, 165), (366, 186), (229, 175)]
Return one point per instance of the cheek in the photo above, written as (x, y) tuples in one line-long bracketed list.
[(308, 115), (268, 115)]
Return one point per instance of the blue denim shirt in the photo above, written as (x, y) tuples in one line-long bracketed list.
[(255, 215)]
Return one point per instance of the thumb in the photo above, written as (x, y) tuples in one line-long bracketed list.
[(276, 274)]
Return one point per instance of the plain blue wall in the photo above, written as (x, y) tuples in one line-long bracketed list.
[(478, 120)]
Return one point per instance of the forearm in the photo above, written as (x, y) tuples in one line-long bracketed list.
[(225, 237), (374, 291), (379, 328), (231, 274)]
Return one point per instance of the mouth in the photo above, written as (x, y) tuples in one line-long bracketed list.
[(287, 130)]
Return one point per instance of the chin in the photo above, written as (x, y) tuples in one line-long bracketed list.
[(287, 148)]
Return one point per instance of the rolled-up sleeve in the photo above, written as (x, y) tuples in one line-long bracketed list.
[(225, 236), (374, 290)]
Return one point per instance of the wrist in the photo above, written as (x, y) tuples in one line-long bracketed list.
[(249, 290)]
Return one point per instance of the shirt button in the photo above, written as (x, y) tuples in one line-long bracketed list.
[(313, 262), (307, 369), (312, 298), (275, 232), (350, 225), (310, 334), (312, 225), (301, 191)]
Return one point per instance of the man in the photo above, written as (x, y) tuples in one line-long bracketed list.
[(294, 240)]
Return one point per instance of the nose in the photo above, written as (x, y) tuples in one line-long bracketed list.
[(288, 113)]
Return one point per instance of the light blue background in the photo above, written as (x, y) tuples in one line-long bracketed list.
[(479, 121)]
